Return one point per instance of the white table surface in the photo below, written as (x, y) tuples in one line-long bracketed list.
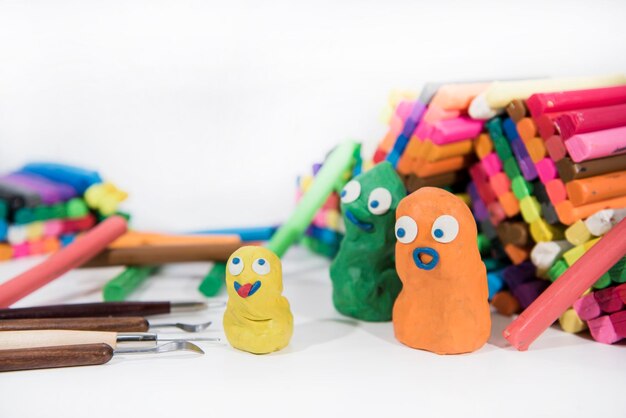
[(334, 365)]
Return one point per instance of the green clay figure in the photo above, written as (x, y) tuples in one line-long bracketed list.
[(365, 282)]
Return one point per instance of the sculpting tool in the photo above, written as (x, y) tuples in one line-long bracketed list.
[(113, 324), (81, 310), (78, 355), (561, 294), (75, 254), (10, 340)]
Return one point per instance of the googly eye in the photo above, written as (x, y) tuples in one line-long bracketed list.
[(406, 229), (351, 191), (261, 266), (235, 266), (445, 229), (379, 201)]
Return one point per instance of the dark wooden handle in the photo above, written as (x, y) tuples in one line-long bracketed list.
[(119, 324), (163, 254), (87, 310), (50, 357)]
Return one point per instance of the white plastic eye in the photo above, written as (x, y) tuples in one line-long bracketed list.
[(351, 191), (261, 266), (445, 229), (406, 229), (235, 266), (379, 201)]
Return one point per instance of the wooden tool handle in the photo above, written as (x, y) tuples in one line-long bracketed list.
[(10, 340), (163, 254), (88, 309), (119, 324), (49, 357)]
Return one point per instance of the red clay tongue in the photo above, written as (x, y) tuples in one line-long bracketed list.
[(244, 290)]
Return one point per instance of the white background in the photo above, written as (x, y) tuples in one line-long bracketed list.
[(205, 112)]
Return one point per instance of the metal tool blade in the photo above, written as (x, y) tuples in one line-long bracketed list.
[(178, 345)]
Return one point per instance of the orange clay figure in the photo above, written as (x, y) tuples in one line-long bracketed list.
[(443, 304)]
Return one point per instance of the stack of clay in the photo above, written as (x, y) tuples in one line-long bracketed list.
[(325, 233), (543, 162), (541, 179), (43, 206), (430, 139), (527, 146)]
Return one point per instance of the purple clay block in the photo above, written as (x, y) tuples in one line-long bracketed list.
[(65, 191), (418, 111), (516, 275), (49, 191), (471, 191), (526, 165), (480, 210), (527, 292)]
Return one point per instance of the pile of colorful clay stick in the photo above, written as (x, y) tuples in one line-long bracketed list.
[(43, 206), (543, 162)]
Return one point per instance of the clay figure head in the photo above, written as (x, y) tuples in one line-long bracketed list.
[(368, 201), (435, 231), (253, 276)]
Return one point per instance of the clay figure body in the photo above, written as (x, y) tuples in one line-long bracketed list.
[(365, 282), (443, 305), (257, 317)]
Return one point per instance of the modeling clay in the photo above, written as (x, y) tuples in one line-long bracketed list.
[(257, 317), (443, 304), (365, 282)]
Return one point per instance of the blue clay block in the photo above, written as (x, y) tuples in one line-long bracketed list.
[(76, 177), (495, 282)]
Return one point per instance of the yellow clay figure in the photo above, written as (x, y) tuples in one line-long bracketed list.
[(257, 317)]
